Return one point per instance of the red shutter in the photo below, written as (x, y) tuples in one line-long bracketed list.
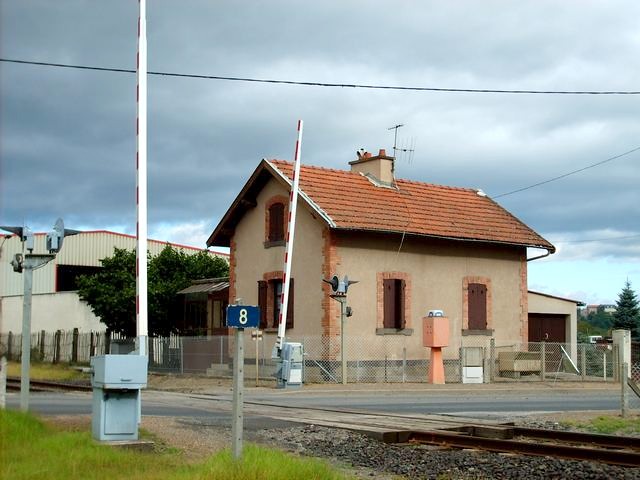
[(262, 303), (276, 222), (477, 306), (400, 286), (290, 306), (389, 303)]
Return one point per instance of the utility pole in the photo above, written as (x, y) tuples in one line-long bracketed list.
[(26, 264)]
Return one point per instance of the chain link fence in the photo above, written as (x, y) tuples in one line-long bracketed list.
[(379, 359)]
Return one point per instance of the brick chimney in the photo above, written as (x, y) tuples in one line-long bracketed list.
[(380, 167)]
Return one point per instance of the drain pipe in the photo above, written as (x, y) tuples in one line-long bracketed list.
[(549, 252)]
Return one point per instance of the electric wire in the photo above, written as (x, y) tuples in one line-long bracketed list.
[(610, 159), (626, 237), (380, 87), (327, 84)]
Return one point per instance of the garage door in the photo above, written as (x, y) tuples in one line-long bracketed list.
[(547, 327)]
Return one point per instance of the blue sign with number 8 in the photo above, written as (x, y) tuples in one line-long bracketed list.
[(243, 316)]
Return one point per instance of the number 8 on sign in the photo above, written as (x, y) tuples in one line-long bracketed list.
[(245, 316)]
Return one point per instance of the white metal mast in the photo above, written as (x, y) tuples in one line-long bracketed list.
[(141, 183), (291, 228)]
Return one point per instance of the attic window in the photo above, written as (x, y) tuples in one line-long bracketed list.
[(275, 213), (276, 222)]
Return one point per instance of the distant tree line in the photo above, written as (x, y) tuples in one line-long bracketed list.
[(626, 316)]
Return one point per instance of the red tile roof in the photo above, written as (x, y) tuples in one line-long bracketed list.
[(351, 201)]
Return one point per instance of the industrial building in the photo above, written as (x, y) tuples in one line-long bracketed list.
[(55, 302)]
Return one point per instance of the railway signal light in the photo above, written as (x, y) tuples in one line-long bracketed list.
[(339, 287)]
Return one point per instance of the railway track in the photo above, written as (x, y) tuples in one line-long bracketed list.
[(463, 433), (13, 384), (443, 430)]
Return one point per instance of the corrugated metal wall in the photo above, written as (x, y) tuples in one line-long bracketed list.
[(83, 249)]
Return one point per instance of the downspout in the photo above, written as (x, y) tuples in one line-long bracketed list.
[(549, 252)]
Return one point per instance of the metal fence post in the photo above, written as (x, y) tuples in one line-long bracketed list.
[(74, 346), (583, 361), (56, 342), (492, 359), (543, 362), (42, 337), (404, 364)]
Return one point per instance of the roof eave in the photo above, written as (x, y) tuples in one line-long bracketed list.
[(221, 235), (314, 206), (550, 248)]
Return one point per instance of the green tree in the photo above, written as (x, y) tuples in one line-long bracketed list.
[(171, 271), (111, 292), (600, 320), (627, 315)]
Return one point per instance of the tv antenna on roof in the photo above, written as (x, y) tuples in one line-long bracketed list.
[(409, 150)]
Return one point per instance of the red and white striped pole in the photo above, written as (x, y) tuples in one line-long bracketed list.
[(291, 228), (141, 182)]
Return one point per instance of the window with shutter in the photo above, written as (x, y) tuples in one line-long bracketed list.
[(262, 303), (276, 222), (393, 303), (477, 306), (269, 298)]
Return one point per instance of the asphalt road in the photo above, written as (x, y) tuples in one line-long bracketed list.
[(464, 402)]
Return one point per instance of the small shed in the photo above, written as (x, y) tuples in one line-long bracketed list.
[(205, 306), (552, 318)]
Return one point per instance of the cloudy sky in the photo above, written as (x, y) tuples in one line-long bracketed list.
[(67, 136)]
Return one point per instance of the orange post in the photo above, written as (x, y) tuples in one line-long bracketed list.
[(435, 335)]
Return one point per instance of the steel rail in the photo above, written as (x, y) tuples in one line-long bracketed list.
[(47, 385), (572, 452)]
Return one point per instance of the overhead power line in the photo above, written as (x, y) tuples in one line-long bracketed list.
[(599, 239), (610, 159), (325, 84)]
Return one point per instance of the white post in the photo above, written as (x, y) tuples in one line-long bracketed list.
[(3, 383), (141, 184), (291, 228)]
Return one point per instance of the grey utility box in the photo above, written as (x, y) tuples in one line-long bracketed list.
[(290, 373), (117, 381)]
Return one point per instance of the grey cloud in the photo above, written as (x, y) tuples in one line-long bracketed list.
[(71, 133)]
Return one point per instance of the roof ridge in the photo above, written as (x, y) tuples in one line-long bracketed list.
[(349, 172)]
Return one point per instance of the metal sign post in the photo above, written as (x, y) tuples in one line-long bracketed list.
[(31, 262), (239, 317), (256, 336)]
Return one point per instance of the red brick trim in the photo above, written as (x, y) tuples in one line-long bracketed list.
[(271, 201), (465, 300), (380, 277), (275, 275), (233, 261), (524, 299), (330, 308)]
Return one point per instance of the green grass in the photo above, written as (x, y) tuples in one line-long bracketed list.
[(31, 450), (47, 371), (609, 425)]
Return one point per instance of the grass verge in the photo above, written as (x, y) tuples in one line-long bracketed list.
[(609, 425), (47, 371), (29, 449)]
